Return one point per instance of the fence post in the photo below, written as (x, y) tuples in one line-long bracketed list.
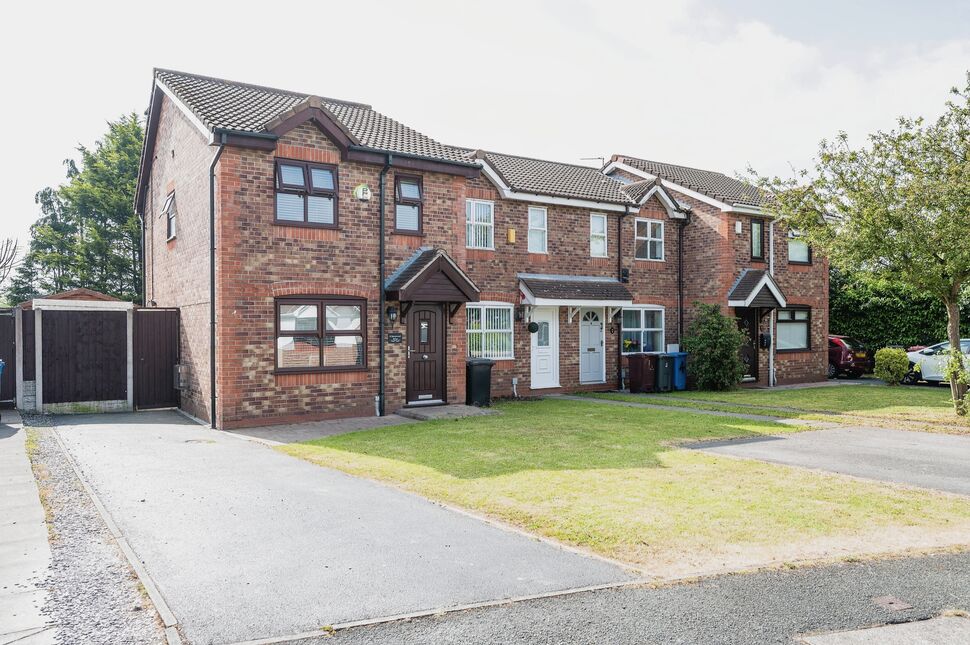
[(131, 358), (18, 342)]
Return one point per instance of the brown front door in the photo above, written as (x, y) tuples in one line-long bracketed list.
[(748, 323), (426, 356)]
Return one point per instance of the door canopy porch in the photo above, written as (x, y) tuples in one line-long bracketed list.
[(756, 288), (430, 275), (572, 291)]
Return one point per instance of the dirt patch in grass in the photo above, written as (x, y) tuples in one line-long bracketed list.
[(610, 479)]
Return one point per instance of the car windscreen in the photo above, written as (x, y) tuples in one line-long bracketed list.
[(852, 343)]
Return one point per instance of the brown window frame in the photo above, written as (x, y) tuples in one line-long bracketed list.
[(320, 332), (399, 199), (808, 328), (788, 240), (307, 190), (761, 223), (170, 210)]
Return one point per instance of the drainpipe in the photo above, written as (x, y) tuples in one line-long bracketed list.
[(619, 276), (774, 312), (383, 303), (680, 278), (212, 282)]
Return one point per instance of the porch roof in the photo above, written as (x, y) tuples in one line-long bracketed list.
[(756, 288), (573, 291), (430, 274)]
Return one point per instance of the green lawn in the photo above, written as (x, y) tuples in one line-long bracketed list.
[(922, 405), (611, 479)]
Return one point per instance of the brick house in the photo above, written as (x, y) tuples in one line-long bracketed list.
[(329, 261)]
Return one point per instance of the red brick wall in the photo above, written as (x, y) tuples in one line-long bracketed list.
[(177, 271)]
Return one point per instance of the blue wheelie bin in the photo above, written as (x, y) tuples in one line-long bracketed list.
[(680, 370)]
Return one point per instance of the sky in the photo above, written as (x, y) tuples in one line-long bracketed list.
[(717, 85)]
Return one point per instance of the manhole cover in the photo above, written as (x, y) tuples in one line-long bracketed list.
[(891, 603), (199, 441)]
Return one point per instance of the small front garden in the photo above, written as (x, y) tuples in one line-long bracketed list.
[(612, 480)]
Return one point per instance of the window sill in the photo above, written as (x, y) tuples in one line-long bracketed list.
[(283, 222), (480, 248), (800, 350), (599, 257), (170, 239), (800, 264), (399, 231), (531, 252), (758, 260), (324, 370), (649, 260)]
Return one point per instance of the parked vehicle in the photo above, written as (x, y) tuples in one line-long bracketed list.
[(848, 356), (929, 363)]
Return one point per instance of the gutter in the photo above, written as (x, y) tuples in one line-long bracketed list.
[(383, 296), (212, 280)]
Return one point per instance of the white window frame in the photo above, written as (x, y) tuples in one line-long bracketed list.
[(483, 306), (170, 212), (604, 235), (662, 329), (544, 229), (469, 222), (648, 239)]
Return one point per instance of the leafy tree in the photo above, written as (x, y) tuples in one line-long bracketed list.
[(714, 343), (897, 208), (88, 234)]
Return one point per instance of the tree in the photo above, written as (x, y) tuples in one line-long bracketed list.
[(8, 258), (88, 234), (897, 208)]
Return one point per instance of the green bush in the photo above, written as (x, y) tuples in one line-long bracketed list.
[(714, 343), (891, 365)]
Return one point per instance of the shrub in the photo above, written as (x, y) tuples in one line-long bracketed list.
[(714, 343), (891, 365)]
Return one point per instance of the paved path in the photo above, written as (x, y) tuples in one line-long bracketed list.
[(24, 552), (924, 459), (773, 607), (245, 542), (947, 630)]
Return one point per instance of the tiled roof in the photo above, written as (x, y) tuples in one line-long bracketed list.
[(222, 104), (410, 268), (539, 177), (746, 282), (707, 182), (575, 288)]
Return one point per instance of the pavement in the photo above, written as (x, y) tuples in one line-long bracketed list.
[(945, 630), (924, 459), (25, 554), (781, 606), (244, 542)]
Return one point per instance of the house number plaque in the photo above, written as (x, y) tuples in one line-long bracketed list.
[(395, 337)]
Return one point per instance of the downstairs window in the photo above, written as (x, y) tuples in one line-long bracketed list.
[(320, 334)]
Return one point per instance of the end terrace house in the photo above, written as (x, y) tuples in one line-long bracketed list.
[(328, 261)]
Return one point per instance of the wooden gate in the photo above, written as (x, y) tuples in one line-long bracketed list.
[(84, 356), (8, 354), (156, 349)]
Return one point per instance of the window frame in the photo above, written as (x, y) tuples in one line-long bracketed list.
[(795, 235), (321, 331), (482, 306), (306, 191), (641, 329), (761, 227), (637, 238), (400, 200), (170, 211), (605, 235), (544, 229), (470, 213), (808, 328)]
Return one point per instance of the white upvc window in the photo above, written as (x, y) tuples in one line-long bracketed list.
[(538, 230), (597, 235), (479, 224), (642, 329), (489, 328), (649, 243)]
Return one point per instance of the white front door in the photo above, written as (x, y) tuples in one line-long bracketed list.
[(591, 367), (545, 348)]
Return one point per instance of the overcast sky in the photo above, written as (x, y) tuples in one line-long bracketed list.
[(717, 85)]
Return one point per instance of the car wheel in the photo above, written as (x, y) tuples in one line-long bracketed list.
[(832, 371), (910, 378)]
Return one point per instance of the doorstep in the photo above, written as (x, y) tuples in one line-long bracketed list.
[(456, 411)]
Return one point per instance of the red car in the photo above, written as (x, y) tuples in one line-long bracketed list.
[(848, 356)]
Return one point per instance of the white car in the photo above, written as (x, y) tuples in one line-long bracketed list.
[(929, 363)]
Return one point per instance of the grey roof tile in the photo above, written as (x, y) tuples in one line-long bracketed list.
[(563, 288), (541, 177), (707, 182)]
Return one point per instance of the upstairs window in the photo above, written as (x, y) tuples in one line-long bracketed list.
[(320, 334), (757, 239), (479, 224), (408, 198), (306, 194), (537, 230), (798, 250), (597, 235), (171, 214), (649, 240)]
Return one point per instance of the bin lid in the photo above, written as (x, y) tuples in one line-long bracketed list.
[(479, 361)]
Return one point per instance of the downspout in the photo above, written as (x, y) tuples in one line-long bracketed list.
[(212, 282), (619, 276), (680, 278), (383, 303), (774, 312)]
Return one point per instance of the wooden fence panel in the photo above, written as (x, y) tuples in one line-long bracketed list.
[(156, 346), (85, 356), (8, 354)]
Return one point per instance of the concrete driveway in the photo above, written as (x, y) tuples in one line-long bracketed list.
[(923, 459), (245, 542)]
